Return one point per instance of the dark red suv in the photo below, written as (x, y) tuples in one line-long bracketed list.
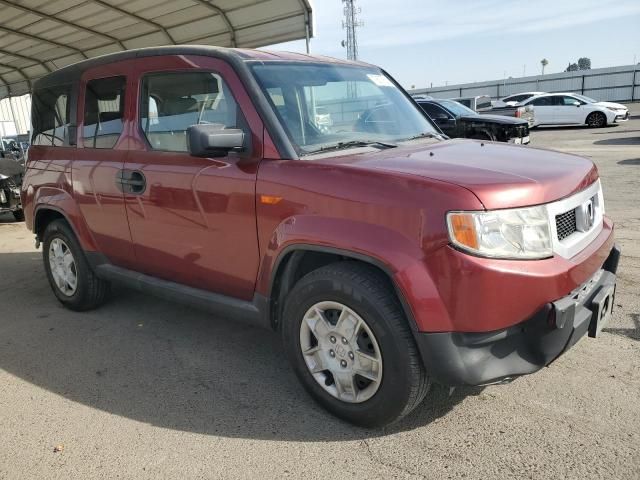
[(314, 197)]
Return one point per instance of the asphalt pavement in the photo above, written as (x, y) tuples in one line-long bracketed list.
[(142, 388)]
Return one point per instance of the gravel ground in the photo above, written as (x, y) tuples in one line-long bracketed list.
[(142, 388)]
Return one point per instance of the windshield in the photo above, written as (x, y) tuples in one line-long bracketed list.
[(456, 108), (326, 105), (586, 99)]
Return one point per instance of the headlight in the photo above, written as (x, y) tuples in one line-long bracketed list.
[(519, 233), (614, 109)]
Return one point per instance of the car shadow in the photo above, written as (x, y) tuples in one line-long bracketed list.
[(632, 333), (168, 365), (629, 161), (7, 217), (619, 141), (553, 128)]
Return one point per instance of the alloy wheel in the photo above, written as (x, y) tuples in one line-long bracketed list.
[(341, 352)]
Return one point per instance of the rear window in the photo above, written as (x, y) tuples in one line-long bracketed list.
[(103, 112), (483, 102), (50, 116)]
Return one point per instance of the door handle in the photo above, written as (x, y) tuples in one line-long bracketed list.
[(131, 181)]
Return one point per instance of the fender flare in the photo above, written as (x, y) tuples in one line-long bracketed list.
[(365, 258), (62, 202)]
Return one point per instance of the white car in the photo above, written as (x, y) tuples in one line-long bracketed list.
[(622, 112), (516, 98), (569, 109)]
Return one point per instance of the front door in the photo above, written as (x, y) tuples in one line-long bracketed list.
[(193, 220), (103, 123), (569, 110)]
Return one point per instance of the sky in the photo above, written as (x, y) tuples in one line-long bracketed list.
[(424, 42)]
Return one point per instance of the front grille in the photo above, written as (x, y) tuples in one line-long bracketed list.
[(566, 224)]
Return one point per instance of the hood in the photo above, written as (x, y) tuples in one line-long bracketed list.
[(617, 106), (500, 119), (499, 174)]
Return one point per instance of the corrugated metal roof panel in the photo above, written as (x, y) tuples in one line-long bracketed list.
[(37, 36)]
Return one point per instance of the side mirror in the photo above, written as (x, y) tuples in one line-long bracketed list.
[(213, 140), (577, 104)]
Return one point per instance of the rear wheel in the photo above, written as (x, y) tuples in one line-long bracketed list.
[(72, 280), (349, 343), (597, 120)]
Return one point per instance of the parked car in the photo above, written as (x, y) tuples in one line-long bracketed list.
[(323, 119), (458, 121), (621, 111), (483, 105), (11, 172), (477, 103), (384, 255), (569, 109), (514, 99)]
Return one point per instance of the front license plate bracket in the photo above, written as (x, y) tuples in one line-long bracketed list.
[(602, 308)]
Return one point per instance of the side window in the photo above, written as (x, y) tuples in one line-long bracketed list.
[(51, 116), (542, 102), (103, 112), (569, 101), (433, 110), (172, 102)]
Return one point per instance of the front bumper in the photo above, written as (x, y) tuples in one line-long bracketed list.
[(622, 117), (481, 358)]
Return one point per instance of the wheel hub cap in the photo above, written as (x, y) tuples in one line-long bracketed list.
[(63, 267), (341, 352)]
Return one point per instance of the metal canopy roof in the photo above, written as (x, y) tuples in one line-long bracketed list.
[(40, 36)]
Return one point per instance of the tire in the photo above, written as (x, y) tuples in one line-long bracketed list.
[(89, 291), (18, 215), (596, 120), (402, 382)]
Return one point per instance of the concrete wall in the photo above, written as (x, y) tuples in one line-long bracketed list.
[(605, 84)]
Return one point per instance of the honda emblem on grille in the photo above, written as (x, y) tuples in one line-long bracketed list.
[(586, 215)]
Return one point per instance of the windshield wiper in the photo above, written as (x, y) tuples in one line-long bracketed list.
[(426, 135), (352, 144)]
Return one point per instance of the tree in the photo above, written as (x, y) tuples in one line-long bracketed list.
[(584, 63), (572, 67), (544, 62)]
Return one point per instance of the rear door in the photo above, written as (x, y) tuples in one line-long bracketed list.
[(192, 219), (104, 121), (544, 110)]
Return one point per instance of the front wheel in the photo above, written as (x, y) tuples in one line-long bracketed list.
[(597, 120), (349, 343), (18, 215)]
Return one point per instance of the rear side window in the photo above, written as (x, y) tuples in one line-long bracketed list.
[(172, 102), (483, 102), (542, 102), (50, 116), (103, 112)]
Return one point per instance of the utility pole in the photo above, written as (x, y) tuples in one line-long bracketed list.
[(350, 23)]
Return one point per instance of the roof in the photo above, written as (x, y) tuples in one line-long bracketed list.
[(72, 72), (41, 36)]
